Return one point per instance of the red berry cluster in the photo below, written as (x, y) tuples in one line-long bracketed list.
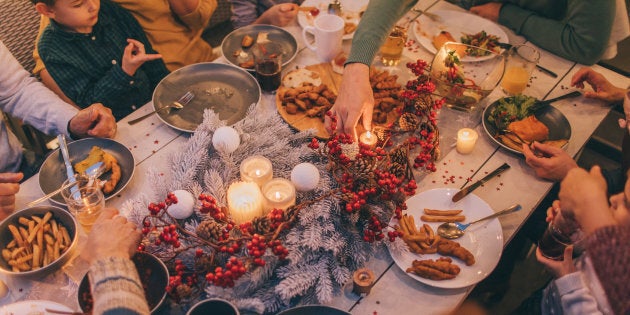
[(278, 249), (374, 231), (209, 205), (418, 67), (410, 188), (314, 144), (392, 235), (234, 247), (169, 235), (256, 248), (277, 217), (234, 269), (178, 278)]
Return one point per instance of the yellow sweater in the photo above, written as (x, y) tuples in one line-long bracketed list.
[(177, 38)]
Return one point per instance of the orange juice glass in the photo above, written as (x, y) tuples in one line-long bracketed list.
[(520, 63)]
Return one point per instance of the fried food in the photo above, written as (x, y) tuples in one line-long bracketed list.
[(349, 27), (443, 218), (97, 154), (440, 269), (419, 241), (247, 41), (449, 248), (444, 37), (530, 129), (441, 212)]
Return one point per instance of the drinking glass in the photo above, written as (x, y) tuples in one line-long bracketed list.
[(559, 234), (522, 60), (85, 201), (268, 65), (392, 49)]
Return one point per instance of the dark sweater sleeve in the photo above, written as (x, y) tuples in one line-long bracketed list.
[(377, 21), (609, 250)]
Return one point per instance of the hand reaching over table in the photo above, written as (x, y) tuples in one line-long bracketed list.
[(111, 236), (95, 120), (602, 88), (549, 162), (488, 11), (9, 186)]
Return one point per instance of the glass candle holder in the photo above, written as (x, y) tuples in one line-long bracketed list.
[(368, 138), (279, 193), (466, 139), (245, 201), (257, 169)]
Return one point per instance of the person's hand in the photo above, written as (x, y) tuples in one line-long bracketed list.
[(558, 268), (111, 236), (9, 186), (279, 14), (488, 11), (548, 162), (95, 121), (134, 56), (355, 99), (553, 210), (602, 88), (584, 199)]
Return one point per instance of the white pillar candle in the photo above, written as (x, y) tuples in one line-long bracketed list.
[(279, 193), (466, 139), (245, 201), (368, 138), (257, 169)]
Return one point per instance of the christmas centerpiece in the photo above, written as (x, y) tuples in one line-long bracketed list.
[(267, 256)]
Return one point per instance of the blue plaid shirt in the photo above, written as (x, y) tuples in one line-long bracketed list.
[(87, 67)]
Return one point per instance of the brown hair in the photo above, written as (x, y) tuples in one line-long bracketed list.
[(46, 2)]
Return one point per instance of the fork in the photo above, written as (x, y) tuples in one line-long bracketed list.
[(179, 104), (506, 131), (513, 208)]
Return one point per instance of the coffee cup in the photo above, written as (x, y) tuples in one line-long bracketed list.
[(328, 32)]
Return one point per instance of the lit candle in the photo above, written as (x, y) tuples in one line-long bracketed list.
[(368, 138), (279, 193), (244, 201), (466, 139), (256, 169)]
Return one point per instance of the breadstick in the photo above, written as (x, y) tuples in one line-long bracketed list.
[(441, 212), (442, 218)]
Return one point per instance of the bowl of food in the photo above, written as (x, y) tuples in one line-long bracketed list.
[(465, 85), (37, 241), (153, 275)]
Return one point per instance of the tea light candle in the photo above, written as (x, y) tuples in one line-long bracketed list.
[(466, 139), (245, 201), (279, 193), (257, 169), (368, 138)]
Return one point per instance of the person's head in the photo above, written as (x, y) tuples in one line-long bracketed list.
[(73, 15)]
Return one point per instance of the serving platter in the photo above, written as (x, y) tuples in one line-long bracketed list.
[(484, 240), (38, 307), (235, 54), (351, 13), (227, 90), (52, 173)]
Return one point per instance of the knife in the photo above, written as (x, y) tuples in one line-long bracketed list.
[(507, 46), (63, 147), (467, 190)]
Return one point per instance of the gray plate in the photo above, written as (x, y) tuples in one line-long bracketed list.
[(232, 43), (559, 127), (313, 310), (226, 89), (52, 173)]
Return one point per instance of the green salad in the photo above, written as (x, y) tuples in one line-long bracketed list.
[(511, 109), (482, 40)]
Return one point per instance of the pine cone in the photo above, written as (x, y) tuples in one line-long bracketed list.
[(261, 225), (424, 102), (363, 167), (398, 170), (382, 134), (399, 155), (203, 264), (408, 122), (209, 230), (183, 291)]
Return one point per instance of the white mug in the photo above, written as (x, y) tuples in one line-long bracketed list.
[(328, 32)]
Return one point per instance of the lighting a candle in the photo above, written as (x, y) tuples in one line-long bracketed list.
[(466, 139), (368, 139), (257, 169), (279, 193), (245, 201)]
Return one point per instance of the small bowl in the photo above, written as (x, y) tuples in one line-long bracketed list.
[(153, 275), (214, 307), (61, 216), (481, 77)]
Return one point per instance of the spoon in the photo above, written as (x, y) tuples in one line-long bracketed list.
[(452, 230)]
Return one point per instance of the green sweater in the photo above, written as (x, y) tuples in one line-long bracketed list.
[(574, 29), (375, 25)]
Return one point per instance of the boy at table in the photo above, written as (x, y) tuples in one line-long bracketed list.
[(97, 52), (278, 12)]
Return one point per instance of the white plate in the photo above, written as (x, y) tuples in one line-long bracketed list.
[(483, 240), (33, 307), (457, 23), (351, 12)]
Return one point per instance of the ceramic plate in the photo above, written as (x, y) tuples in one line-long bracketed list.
[(457, 23), (313, 310), (351, 12), (483, 240), (33, 307), (236, 54), (52, 173), (559, 127), (226, 89)]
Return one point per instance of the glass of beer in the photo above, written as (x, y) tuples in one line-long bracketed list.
[(268, 65), (85, 201), (520, 63), (392, 49)]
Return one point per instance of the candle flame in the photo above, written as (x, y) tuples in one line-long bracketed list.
[(368, 134), (277, 195), (465, 134), (257, 172)]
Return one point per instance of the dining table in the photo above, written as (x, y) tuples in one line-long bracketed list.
[(394, 292)]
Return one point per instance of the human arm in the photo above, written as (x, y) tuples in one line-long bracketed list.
[(244, 12), (194, 13), (279, 15), (355, 93), (134, 56), (602, 88), (554, 163), (94, 121), (9, 187), (581, 34), (114, 280)]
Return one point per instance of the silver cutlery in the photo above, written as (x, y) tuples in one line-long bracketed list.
[(452, 230), (335, 7), (432, 16), (467, 190), (63, 147), (179, 104)]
